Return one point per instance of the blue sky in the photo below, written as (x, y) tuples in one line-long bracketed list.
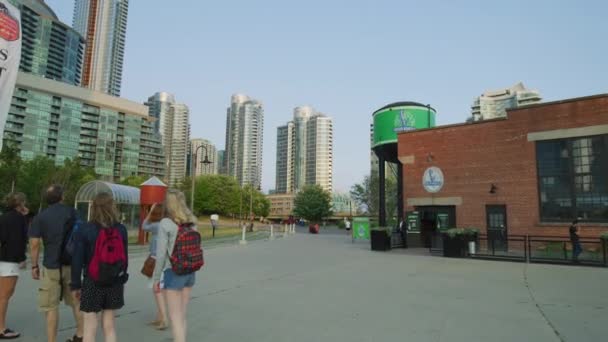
[(349, 58)]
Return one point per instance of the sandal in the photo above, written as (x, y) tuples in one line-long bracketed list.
[(8, 334), (154, 323), (75, 339), (162, 326)]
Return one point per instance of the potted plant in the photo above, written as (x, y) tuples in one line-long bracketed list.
[(380, 239), (456, 241), (313, 228)]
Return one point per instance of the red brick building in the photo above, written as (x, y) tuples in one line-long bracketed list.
[(532, 172)]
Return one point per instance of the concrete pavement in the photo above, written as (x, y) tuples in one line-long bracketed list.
[(324, 288)]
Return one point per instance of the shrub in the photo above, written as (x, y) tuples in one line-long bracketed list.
[(387, 230), (462, 232)]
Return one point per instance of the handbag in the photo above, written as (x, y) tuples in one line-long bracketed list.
[(148, 268)]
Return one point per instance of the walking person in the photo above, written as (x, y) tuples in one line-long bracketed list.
[(13, 244), (99, 267), (215, 222), (52, 228), (179, 256), (152, 225), (575, 240)]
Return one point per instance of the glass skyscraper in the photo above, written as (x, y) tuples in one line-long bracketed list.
[(50, 48), (103, 23), (173, 126), (244, 140), (494, 104), (305, 152), (114, 136)]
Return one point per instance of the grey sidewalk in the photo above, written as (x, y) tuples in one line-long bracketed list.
[(324, 288)]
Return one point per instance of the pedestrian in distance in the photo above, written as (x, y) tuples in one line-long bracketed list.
[(53, 227), (179, 255), (215, 222), (347, 224), (152, 225), (13, 244), (99, 267), (575, 239)]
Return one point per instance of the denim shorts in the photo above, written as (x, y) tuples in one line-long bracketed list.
[(172, 281)]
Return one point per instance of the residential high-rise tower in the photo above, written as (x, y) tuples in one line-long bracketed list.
[(244, 140), (494, 104), (53, 119), (305, 152), (103, 23), (50, 48), (173, 126)]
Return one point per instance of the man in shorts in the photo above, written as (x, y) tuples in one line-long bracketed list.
[(51, 226)]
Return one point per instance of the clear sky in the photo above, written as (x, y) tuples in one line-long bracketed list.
[(349, 58)]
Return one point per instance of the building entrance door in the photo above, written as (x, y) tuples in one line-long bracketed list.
[(434, 220), (497, 227)]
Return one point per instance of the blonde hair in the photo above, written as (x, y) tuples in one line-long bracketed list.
[(176, 208), (104, 211)]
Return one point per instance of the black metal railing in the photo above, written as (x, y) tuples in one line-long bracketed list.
[(535, 249), (556, 249), (513, 248)]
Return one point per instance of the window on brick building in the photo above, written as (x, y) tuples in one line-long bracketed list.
[(572, 177)]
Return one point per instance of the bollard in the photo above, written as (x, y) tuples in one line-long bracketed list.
[(243, 238), (271, 232)]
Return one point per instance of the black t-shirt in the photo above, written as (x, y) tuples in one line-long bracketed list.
[(573, 235), (13, 237), (51, 226)]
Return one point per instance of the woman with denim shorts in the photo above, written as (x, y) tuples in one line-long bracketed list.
[(152, 225), (177, 288)]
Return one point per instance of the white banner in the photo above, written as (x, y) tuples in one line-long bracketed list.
[(10, 56)]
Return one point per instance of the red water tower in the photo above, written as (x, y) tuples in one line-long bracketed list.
[(152, 191)]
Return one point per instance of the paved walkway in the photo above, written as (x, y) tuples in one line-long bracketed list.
[(323, 288)]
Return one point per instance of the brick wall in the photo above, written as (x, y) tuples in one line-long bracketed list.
[(475, 156)]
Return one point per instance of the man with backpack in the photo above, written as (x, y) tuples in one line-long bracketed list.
[(53, 227)]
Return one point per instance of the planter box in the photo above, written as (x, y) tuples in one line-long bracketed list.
[(313, 229), (454, 247), (381, 241)]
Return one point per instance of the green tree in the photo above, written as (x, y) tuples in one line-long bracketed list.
[(34, 177), (313, 204), (260, 205), (215, 194), (134, 181), (367, 195), (10, 164), (72, 176)]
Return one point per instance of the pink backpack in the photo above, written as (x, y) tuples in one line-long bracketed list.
[(109, 263)]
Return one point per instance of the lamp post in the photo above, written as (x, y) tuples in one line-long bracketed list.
[(192, 171), (251, 189)]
